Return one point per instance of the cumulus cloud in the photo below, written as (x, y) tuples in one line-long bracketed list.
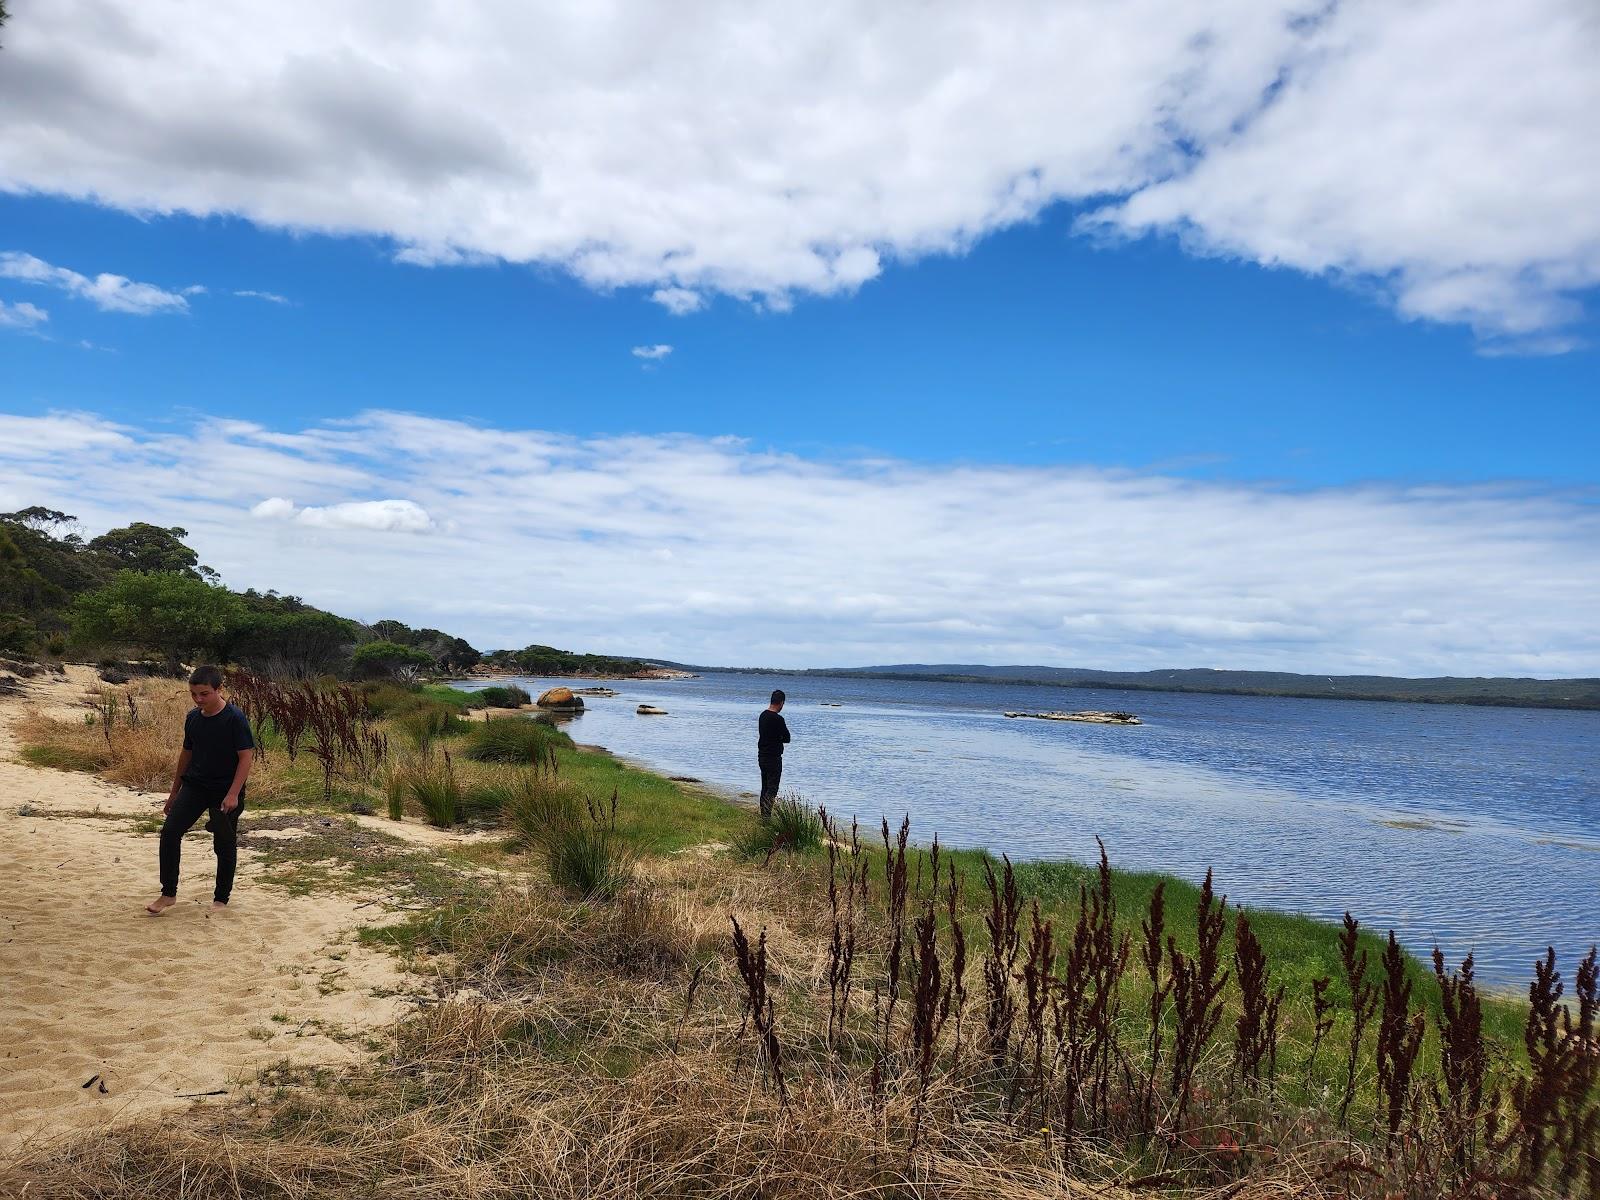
[(680, 302), (652, 353), (377, 516), (21, 315), (107, 292), (1440, 151), (707, 550)]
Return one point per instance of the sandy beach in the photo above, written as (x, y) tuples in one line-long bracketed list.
[(114, 1014)]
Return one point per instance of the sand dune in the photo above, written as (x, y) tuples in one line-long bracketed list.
[(156, 1009)]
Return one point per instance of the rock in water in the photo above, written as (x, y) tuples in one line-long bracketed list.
[(1090, 716), (650, 710), (561, 700)]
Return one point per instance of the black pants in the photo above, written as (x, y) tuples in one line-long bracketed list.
[(771, 773), (224, 827)]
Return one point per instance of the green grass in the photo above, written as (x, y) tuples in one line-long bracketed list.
[(655, 814), (591, 860), (794, 827), (60, 758), (444, 694), (438, 793), (514, 740), (428, 722)]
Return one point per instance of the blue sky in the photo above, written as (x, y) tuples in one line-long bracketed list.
[(1248, 334), (1034, 347)]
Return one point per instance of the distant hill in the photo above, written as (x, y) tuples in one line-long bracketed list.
[(1518, 693)]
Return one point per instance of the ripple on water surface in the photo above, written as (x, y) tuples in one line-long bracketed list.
[(1476, 828)]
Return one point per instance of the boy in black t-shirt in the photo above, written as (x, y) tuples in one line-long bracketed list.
[(217, 752)]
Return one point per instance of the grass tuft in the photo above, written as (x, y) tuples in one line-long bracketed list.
[(515, 740), (437, 792), (794, 827)]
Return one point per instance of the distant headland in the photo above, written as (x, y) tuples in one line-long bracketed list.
[(1504, 692)]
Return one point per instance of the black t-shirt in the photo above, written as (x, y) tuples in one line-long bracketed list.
[(774, 732), (214, 743)]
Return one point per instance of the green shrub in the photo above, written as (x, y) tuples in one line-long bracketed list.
[(794, 826), (516, 740), (508, 696), (389, 699)]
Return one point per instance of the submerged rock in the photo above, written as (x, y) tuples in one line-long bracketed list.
[(560, 699), (1090, 716), (650, 710)]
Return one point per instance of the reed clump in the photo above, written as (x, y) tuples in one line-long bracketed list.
[(436, 790), (793, 826), (522, 740)]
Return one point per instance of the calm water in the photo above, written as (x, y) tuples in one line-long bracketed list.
[(1475, 828)]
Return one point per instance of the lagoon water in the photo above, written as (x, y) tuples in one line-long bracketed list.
[(1473, 828)]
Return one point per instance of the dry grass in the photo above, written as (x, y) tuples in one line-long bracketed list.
[(129, 735), (632, 1047)]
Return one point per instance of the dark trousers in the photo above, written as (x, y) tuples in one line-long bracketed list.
[(224, 827), (771, 773)]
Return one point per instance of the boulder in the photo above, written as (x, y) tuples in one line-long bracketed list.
[(560, 699), (650, 710)]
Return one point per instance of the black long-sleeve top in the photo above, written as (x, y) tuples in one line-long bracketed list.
[(774, 733)]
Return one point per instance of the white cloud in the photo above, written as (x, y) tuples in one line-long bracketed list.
[(652, 353), (708, 550), (269, 297), (376, 516), (21, 315), (274, 508), (1440, 150), (1444, 149), (680, 302), (107, 292)]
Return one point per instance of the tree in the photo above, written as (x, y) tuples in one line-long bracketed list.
[(397, 632), (301, 643), (448, 653), (169, 614), (145, 547), (379, 659)]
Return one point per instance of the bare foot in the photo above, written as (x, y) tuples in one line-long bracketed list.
[(219, 906), (160, 905)]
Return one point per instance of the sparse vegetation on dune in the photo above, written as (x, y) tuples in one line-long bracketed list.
[(878, 1019)]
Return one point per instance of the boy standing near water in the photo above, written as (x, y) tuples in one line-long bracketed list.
[(773, 735), (212, 768)]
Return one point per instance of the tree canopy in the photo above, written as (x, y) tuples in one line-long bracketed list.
[(150, 548), (167, 614), (389, 659)]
